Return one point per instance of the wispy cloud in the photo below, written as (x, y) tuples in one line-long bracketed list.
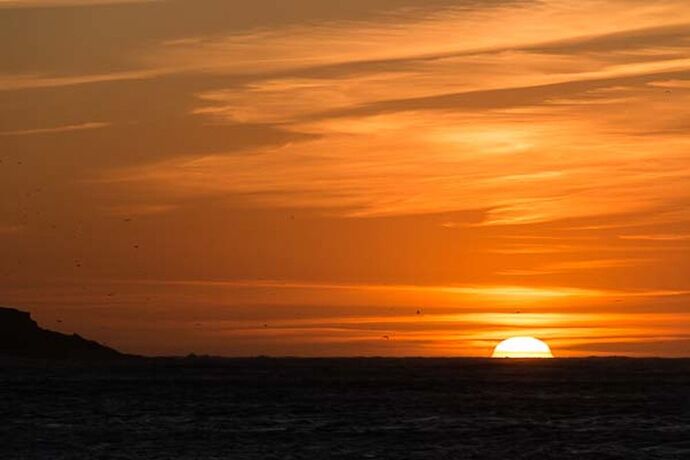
[(63, 3), (330, 314), (534, 125), (577, 265), (656, 237), (56, 129), (13, 82)]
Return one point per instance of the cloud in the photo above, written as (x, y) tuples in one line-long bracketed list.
[(356, 314), (530, 125), (63, 3), (656, 237), (576, 265), (558, 166), (57, 129), (13, 82), (435, 30)]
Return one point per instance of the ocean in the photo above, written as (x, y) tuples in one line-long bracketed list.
[(373, 408)]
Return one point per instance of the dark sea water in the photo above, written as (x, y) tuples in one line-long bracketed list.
[(347, 408)]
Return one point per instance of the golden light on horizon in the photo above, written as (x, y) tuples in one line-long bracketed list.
[(522, 347)]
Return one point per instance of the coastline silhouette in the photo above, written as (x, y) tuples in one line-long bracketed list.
[(21, 337)]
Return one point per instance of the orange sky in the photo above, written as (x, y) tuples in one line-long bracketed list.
[(301, 177)]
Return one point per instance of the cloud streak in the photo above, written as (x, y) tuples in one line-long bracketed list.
[(508, 126)]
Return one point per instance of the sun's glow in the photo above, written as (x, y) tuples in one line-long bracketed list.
[(522, 347)]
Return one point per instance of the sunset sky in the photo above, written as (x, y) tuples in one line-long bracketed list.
[(302, 177)]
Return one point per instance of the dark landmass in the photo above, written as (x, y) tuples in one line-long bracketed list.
[(21, 337)]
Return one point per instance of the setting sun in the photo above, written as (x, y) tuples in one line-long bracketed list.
[(522, 347)]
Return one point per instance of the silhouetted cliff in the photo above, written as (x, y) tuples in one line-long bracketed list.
[(20, 336)]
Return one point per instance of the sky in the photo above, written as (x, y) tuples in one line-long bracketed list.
[(360, 178)]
